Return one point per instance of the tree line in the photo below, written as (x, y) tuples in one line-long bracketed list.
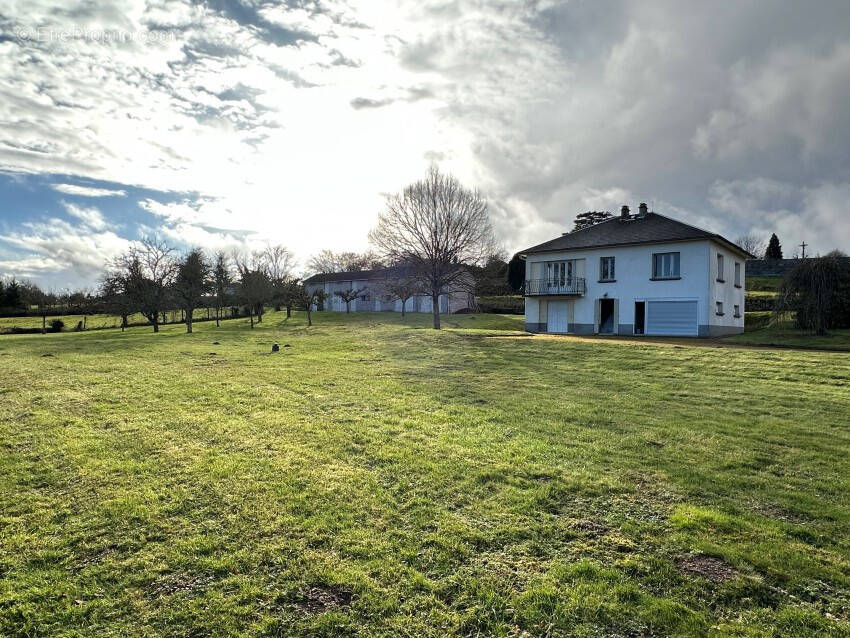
[(19, 297), (152, 279)]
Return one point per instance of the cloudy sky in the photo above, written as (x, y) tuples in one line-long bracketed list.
[(236, 123)]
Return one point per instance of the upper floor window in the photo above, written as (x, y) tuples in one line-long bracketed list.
[(720, 268), (560, 273), (738, 274), (606, 269), (665, 266)]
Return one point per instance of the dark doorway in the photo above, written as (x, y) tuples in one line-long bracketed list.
[(606, 316), (640, 317)]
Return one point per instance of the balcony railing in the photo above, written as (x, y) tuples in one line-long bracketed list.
[(572, 286)]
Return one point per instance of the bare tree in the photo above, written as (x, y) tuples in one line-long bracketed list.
[(221, 284), (311, 298), (327, 261), (288, 293), (192, 283), (436, 227), (349, 295), (146, 272), (279, 262), (255, 286), (403, 288), (753, 244), (115, 299)]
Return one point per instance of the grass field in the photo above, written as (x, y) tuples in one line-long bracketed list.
[(784, 334), (376, 478), (771, 284), (92, 322)]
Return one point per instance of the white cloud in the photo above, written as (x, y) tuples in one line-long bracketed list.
[(87, 191), (71, 254), (91, 217)]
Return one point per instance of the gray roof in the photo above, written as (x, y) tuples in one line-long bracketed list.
[(356, 275), (652, 228)]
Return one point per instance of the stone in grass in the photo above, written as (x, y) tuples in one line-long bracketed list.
[(216, 343), (275, 348), (286, 345)]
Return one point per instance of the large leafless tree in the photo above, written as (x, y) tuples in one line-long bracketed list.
[(146, 273), (436, 226)]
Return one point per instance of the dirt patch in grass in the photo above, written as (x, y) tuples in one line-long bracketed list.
[(177, 583), (714, 569), (324, 598)]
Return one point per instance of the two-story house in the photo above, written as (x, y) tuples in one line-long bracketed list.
[(643, 274)]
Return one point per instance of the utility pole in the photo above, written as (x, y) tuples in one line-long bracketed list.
[(803, 246)]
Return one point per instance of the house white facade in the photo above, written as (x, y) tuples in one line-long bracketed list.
[(636, 275), (376, 297)]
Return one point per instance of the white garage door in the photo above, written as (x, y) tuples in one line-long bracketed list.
[(673, 318), (556, 317)]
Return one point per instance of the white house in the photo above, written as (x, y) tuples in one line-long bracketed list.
[(635, 275), (376, 297)]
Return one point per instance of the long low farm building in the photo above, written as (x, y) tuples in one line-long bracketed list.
[(376, 294)]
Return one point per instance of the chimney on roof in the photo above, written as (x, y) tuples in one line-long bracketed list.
[(624, 212), (642, 209)]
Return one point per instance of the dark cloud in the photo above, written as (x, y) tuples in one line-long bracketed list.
[(368, 103)]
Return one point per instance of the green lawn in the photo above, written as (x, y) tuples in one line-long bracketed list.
[(92, 322), (771, 284), (377, 478), (784, 334)]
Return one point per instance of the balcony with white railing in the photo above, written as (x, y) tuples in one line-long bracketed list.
[(567, 287)]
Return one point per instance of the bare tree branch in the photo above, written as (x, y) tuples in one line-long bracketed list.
[(435, 227)]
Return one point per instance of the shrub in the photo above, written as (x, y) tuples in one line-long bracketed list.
[(57, 325), (756, 320), (817, 290), (504, 305)]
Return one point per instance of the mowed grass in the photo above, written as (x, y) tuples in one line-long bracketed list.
[(376, 478), (784, 334), (92, 322)]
